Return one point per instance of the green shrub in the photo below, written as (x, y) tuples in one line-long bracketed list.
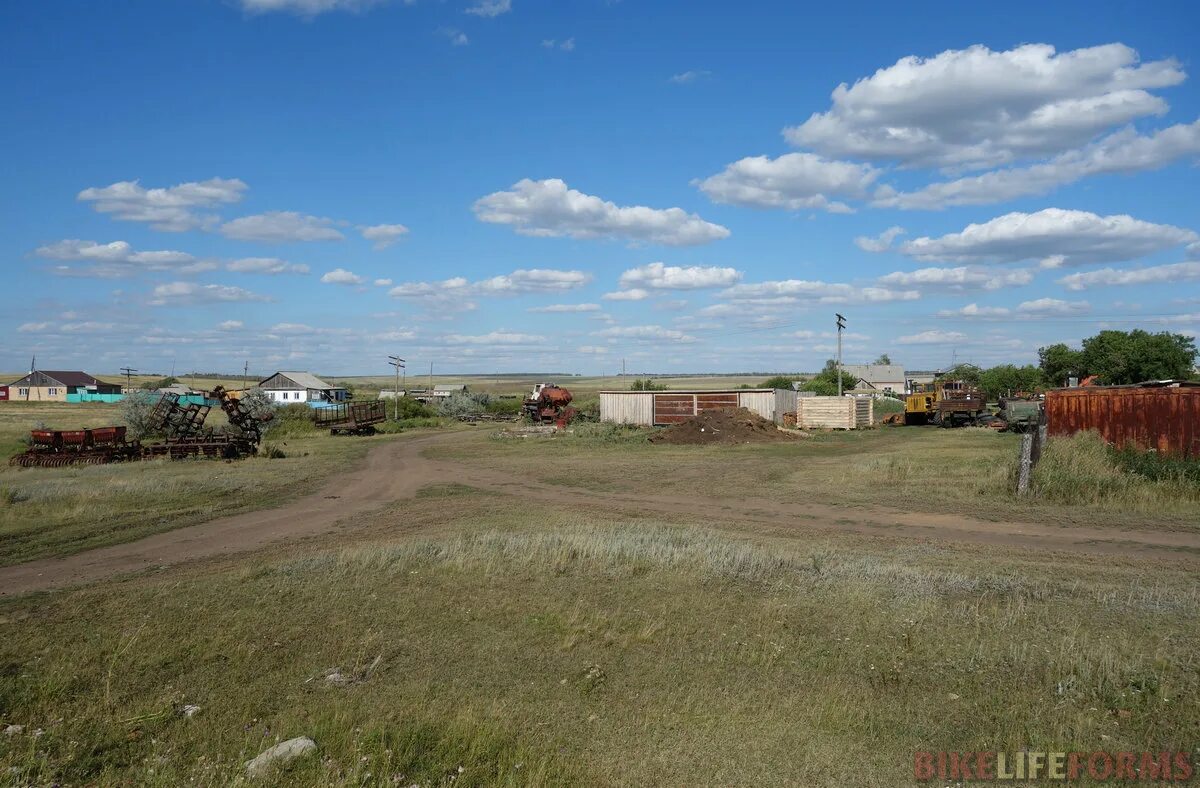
[(272, 452), (1159, 468), (409, 408), (777, 382), (290, 421), (606, 432), (647, 385), (1084, 470), (510, 406), (464, 404)]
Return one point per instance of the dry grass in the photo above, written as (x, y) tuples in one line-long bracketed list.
[(1082, 470), (56, 511), (596, 651), (969, 471)]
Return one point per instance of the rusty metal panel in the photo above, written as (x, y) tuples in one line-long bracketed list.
[(673, 408), (1162, 419), (715, 401)]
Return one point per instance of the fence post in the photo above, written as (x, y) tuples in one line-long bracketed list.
[(1026, 466)]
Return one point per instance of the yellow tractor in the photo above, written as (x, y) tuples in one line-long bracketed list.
[(946, 403), (921, 405)]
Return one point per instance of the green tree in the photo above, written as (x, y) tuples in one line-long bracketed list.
[(136, 410), (1059, 362), (965, 372), (884, 359), (1007, 379), (777, 382), (1118, 357), (647, 385), (825, 382)]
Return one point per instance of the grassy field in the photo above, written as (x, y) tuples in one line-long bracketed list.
[(56, 511), (499, 643), (964, 471), (470, 638)]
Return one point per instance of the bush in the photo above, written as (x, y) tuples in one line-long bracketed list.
[(1159, 468), (778, 382), (1084, 470), (409, 408), (464, 404), (136, 410), (272, 452), (292, 420), (647, 385), (607, 432), (504, 407)]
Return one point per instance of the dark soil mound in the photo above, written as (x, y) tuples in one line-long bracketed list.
[(724, 426)]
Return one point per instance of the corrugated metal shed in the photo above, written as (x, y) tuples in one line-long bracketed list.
[(1162, 418), (649, 408)]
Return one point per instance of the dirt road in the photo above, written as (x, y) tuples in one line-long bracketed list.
[(397, 469)]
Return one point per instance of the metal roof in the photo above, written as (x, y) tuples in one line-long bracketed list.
[(62, 378), (303, 380)]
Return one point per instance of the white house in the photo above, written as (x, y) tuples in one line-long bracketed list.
[(290, 387)]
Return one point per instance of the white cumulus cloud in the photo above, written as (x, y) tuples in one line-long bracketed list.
[(172, 209), (974, 310), (790, 291), (975, 108), (490, 8), (265, 265), (117, 259), (180, 293), (340, 276), (646, 334), (1124, 151), (281, 227), (882, 242), (1059, 236), (548, 208), (659, 276), (793, 181), (383, 235), (1053, 306), (1108, 277), (959, 278), (633, 294)]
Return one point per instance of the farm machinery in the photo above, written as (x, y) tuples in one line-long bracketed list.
[(182, 426), (946, 403), (549, 404), (351, 418)]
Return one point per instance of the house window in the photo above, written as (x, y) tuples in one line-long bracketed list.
[(52, 391), (22, 392)]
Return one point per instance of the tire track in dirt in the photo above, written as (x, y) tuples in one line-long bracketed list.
[(397, 470)]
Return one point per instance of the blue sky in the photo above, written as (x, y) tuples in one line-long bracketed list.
[(511, 185)]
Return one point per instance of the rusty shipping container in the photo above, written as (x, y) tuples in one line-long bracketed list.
[(1158, 418)]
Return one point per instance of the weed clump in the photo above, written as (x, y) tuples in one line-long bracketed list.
[(1083, 470)]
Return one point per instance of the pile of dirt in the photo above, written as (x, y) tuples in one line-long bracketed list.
[(725, 426)]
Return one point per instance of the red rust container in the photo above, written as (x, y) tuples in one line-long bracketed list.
[(1165, 419)]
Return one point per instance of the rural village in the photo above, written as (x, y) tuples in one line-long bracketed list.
[(850, 438)]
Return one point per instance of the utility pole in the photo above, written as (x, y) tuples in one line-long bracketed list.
[(245, 374), (128, 373), (429, 393), (841, 324), (398, 363), (622, 373)]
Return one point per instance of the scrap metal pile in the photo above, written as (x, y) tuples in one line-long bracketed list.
[(181, 424)]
